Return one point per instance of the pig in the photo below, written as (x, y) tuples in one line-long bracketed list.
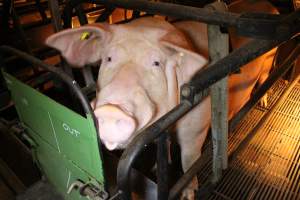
[(143, 65)]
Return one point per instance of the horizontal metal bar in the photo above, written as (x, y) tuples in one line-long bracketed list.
[(169, 9), (256, 25), (214, 72)]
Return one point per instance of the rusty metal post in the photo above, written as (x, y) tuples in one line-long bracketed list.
[(218, 44)]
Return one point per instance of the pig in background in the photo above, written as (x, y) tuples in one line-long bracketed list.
[(143, 65)]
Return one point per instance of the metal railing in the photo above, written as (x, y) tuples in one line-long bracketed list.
[(275, 29)]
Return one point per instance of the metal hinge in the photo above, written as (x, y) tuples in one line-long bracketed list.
[(88, 190)]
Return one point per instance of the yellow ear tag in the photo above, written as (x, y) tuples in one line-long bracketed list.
[(85, 35)]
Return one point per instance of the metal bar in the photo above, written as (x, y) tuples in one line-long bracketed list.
[(86, 71), (218, 48), (137, 145), (41, 10), (162, 168), (105, 15), (7, 4), (88, 76), (169, 9), (81, 15), (187, 177), (246, 24), (230, 64), (18, 26), (55, 15), (57, 24)]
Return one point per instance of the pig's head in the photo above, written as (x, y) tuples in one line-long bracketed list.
[(143, 64)]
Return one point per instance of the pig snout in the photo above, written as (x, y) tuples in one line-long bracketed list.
[(115, 125)]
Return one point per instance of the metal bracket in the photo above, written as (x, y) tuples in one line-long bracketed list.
[(88, 190), (267, 26)]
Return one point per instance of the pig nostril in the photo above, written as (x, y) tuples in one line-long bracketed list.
[(125, 126), (100, 121)]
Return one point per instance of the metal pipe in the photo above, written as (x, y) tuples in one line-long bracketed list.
[(41, 10), (86, 71), (162, 167), (55, 15), (169, 9), (81, 15), (105, 15), (141, 140), (246, 24), (230, 64), (7, 5), (187, 177)]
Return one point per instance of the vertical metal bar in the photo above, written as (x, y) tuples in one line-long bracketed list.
[(55, 15), (81, 15), (162, 168), (57, 24), (41, 10), (86, 71), (105, 15), (19, 28), (5, 15), (218, 44), (88, 76)]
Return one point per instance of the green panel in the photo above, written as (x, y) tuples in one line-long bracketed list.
[(70, 135), (59, 171)]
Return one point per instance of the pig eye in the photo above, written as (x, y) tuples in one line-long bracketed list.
[(156, 64), (108, 59)]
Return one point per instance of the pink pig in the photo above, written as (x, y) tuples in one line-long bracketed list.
[(143, 65)]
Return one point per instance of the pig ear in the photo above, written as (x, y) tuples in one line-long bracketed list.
[(80, 46), (188, 60)]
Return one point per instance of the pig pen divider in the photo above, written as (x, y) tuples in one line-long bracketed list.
[(281, 26)]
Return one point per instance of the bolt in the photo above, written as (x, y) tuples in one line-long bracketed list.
[(186, 91)]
